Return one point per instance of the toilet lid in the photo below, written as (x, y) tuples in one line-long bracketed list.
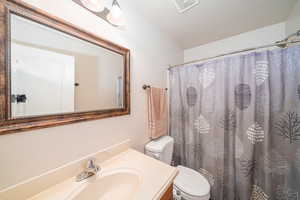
[(159, 144), (191, 182)]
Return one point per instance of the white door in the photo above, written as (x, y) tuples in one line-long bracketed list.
[(45, 77)]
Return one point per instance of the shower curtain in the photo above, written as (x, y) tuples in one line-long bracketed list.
[(236, 120)]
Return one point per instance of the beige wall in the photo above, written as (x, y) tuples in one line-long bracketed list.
[(27, 154), (258, 37), (293, 22)]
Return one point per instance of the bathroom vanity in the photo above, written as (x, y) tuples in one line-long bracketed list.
[(124, 174), (168, 194)]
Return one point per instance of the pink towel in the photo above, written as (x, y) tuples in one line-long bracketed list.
[(157, 112)]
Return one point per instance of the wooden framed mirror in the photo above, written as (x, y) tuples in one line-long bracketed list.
[(54, 73)]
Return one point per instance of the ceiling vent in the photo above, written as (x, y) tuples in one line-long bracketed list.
[(185, 5)]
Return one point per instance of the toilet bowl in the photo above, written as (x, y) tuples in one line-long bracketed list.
[(189, 184)]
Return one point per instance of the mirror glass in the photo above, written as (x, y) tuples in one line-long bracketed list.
[(53, 72)]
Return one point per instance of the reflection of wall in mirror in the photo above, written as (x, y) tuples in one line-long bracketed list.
[(120, 91)]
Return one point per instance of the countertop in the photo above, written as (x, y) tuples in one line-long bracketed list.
[(156, 177)]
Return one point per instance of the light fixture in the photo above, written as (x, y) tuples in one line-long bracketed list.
[(115, 15), (93, 5)]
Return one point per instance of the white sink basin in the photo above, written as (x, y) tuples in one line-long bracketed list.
[(120, 184)]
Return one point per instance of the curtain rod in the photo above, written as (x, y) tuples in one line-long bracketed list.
[(282, 44)]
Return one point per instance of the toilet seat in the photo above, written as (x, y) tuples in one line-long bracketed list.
[(191, 184)]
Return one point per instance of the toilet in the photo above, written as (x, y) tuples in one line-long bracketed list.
[(189, 184)]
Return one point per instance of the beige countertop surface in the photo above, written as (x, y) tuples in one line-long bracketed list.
[(155, 177)]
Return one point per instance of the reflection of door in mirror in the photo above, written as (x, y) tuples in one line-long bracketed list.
[(45, 77), (96, 76)]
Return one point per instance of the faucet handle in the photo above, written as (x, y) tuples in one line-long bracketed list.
[(91, 169), (91, 165)]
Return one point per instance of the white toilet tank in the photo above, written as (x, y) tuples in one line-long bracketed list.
[(161, 149)]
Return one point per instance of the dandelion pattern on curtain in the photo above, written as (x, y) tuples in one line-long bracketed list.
[(236, 120)]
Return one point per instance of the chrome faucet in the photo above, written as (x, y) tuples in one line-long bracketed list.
[(91, 169)]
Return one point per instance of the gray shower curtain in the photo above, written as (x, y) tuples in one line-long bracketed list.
[(236, 120)]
